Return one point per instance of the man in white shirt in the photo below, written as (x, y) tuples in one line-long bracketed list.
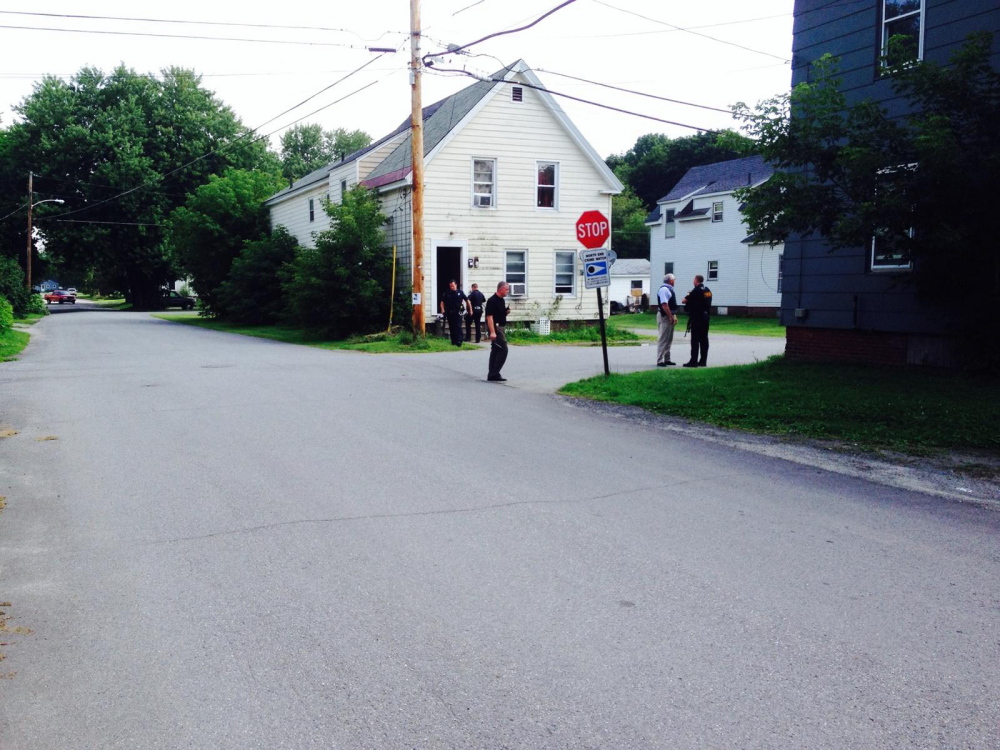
[(666, 318)]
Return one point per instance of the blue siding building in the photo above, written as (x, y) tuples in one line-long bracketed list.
[(852, 304)]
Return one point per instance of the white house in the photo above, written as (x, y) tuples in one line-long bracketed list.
[(506, 176), (629, 275), (697, 228)]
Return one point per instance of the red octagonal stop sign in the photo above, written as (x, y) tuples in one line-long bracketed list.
[(593, 229)]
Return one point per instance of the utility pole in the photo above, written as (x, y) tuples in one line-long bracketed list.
[(417, 151), (31, 200)]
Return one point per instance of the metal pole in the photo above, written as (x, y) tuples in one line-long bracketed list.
[(31, 199), (417, 150), (604, 333)]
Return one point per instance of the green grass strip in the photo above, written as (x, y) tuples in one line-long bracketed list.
[(12, 343), (376, 344), (719, 324), (574, 335), (910, 410)]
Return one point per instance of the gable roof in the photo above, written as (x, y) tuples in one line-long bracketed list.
[(630, 267), (720, 177)]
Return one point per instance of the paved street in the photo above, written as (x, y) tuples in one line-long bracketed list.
[(225, 542)]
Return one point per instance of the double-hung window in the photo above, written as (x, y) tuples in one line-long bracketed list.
[(713, 270), (547, 184), (312, 209), (670, 225), (889, 244), (484, 183), (781, 270), (717, 211), (343, 190), (516, 272), (904, 18), (565, 272)]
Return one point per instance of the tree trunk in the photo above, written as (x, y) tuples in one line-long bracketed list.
[(144, 292)]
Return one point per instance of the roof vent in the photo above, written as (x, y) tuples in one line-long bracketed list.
[(516, 94)]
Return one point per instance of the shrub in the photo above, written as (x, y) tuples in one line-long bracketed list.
[(252, 295), (342, 286), (6, 316), (36, 305), (12, 286)]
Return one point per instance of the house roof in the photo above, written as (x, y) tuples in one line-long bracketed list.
[(654, 215), (630, 267), (720, 177), (690, 212)]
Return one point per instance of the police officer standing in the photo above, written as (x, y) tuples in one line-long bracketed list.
[(454, 304), (477, 300), (698, 304)]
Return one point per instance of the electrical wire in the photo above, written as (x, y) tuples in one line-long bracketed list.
[(201, 23), (453, 50), (686, 28), (689, 31), (473, 5), (573, 98), (632, 91), (184, 36)]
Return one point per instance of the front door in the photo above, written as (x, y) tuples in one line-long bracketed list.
[(449, 268)]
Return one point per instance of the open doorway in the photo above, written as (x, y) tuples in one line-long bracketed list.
[(449, 267)]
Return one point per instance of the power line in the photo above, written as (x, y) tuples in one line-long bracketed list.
[(246, 74), (573, 98), (451, 50), (632, 91), (87, 221), (200, 23), (473, 5), (689, 31), (185, 36), (686, 28)]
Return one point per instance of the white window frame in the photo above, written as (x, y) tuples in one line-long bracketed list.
[(884, 33), (312, 209), (506, 273), (555, 274), (555, 187), (493, 183), (343, 190), (884, 266), (781, 270), (669, 224), (717, 209), (709, 271), (668, 267)]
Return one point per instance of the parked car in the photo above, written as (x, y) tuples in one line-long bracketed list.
[(60, 296), (72, 290), (176, 299)]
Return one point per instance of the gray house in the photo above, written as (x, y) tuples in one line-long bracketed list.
[(856, 305)]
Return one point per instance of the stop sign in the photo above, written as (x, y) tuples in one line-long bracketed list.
[(593, 229)]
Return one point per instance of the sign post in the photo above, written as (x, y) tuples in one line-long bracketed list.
[(593, 229)]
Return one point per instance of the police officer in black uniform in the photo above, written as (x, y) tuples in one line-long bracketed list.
[(477, 300), (454, 304), (698, 304)]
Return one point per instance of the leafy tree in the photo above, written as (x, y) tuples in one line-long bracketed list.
[(307, 147), (206, 234), (13, 287), (657, 162), (629, 233), (252, 295), (123, 150), (916, 182), (341, 287)]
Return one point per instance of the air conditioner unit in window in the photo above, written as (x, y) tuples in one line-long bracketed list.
[(483, 201), (518, 290)]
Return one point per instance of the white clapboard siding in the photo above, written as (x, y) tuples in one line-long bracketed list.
[(516, 135), (293, 214)]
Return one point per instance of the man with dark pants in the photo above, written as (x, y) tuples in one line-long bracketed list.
[(453, 304), (666, 319), (698, 304), (476, 299), (496, 321)]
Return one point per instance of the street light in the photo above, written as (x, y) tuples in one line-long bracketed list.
[(30, 243)]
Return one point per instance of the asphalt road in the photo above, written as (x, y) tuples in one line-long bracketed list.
[(225, 542)]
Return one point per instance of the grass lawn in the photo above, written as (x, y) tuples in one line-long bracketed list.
[(720, 324), (30, 319), (113, 304), (575, 335), (376, 344), (914, 411), (11, 344)]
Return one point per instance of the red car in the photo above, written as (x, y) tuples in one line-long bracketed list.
[(60, 296)]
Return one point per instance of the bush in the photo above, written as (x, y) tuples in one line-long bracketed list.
[(252, 295), (6, 316), (342, 286), (36, 305), (12, 286)]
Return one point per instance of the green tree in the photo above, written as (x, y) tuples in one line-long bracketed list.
[(252, 295), (207, 233), (342, 286), (308, 147), (657, 162), (629, 233), (852, 172), (123, 150)]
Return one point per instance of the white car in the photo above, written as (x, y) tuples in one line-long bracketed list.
[(72, 290)]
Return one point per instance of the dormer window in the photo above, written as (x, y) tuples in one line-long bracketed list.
[(516, 94)]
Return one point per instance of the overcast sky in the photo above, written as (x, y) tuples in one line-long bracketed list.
[(606, 41)]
